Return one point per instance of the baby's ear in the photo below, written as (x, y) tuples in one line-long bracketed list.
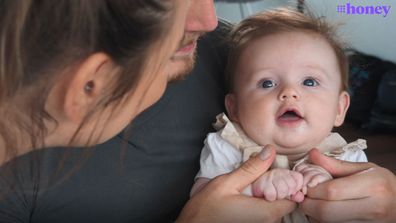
[(231, 106), (86, 86), (343, 105)]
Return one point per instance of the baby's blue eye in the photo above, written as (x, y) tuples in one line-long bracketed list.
[(310, 82), (267, 84)]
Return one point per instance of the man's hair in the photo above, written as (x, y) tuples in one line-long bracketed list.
[(42, 39), (277, 21)]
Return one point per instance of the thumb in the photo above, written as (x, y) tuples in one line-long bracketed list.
[(252, 169), (337, 168)]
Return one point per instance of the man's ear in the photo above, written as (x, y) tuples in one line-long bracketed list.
[(231, 106), (343, 105), (86, 86)]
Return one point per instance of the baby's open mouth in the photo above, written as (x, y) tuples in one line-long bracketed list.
[(290, 115)]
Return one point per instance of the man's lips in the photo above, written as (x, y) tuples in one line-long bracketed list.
[(186, 49)]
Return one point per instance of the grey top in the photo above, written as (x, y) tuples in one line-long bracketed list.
[(145, 177)]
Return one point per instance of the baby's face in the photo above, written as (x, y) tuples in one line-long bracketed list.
[(287, 91)]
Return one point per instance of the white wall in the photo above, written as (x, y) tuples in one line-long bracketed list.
[(233, 11), (372, 34)]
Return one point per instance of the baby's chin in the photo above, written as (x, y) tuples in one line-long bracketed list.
[(284, 145), (291, 148)]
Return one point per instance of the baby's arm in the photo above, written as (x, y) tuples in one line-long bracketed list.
[(279, 184)]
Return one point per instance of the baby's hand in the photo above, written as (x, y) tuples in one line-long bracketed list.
[(278, 184), (313, 175)]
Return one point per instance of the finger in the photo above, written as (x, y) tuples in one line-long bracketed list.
[(253, 211), (339, 189), (308, 175), (312, 220), (269, 191), (263, 186), (302, 167), (297, 197), (337, 168), (282, 188), (291, 185), (319, 178), (315, 176), (295, 182), (336, 211), (252, 169)]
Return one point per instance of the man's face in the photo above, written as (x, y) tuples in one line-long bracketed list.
[(201, 18)]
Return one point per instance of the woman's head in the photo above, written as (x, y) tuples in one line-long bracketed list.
[(83, 68)]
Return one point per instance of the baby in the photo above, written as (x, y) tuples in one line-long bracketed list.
[(287, 77)]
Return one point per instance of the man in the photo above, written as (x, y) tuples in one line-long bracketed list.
[(147, 176)]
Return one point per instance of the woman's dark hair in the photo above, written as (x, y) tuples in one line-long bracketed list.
[(41, 39)]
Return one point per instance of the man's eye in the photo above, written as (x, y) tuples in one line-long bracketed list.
[(267, 84), (310, 82)]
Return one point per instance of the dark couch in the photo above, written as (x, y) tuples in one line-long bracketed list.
[(381, 146)]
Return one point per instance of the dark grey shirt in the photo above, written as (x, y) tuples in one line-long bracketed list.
[(145, 177)]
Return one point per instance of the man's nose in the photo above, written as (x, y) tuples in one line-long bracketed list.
[(288, 93), (201, 16)]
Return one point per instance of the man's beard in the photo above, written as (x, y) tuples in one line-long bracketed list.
[(184, 64), (188, 66)]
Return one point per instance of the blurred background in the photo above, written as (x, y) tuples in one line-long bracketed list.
[(372, 34), (372, 76)]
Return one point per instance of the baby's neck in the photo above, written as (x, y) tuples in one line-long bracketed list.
[(296, 157), (287, 161)]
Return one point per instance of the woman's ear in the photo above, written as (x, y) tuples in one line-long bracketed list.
[(86, 86), (231, 106), (343, 105)]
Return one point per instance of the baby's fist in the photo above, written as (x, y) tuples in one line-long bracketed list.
[(313, 175), (278, 184)]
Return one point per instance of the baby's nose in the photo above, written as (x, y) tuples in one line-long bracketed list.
[(288, 93)]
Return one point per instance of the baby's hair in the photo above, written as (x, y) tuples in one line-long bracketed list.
[(280, 21), (40, 40)]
